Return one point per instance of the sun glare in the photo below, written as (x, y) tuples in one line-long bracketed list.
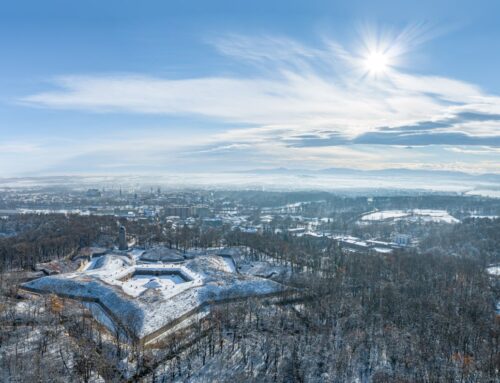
[(376, 63)]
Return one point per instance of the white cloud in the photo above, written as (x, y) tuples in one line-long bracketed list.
[(294, 91), (15, 147), (293, 98), (481, 150), (266, 49)]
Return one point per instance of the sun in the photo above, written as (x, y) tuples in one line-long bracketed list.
[(376, 63)]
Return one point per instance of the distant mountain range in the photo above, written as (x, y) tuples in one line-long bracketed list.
[(397, 172)]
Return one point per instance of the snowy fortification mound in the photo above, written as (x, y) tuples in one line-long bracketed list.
[(148, 298)]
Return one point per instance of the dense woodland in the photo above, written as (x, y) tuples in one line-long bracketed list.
[(42, 238), (47, 237), (424, 315), (402, 319), (477, 238)]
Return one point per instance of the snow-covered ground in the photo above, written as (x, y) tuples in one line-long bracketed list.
[(230, 265), (425, 215), (263, 269), (382, 250), (493, 270)]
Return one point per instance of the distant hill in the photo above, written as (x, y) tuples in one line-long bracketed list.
[(396, 172)]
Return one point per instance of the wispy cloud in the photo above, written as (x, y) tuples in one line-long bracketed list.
[(482, 150), (266, 50), (300, 101)]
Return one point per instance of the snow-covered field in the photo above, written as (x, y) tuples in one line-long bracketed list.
[(425, 215)]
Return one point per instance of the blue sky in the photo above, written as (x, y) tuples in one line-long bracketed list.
[(120, 87)]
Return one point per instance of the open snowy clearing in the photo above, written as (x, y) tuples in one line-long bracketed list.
[(425, 215)]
